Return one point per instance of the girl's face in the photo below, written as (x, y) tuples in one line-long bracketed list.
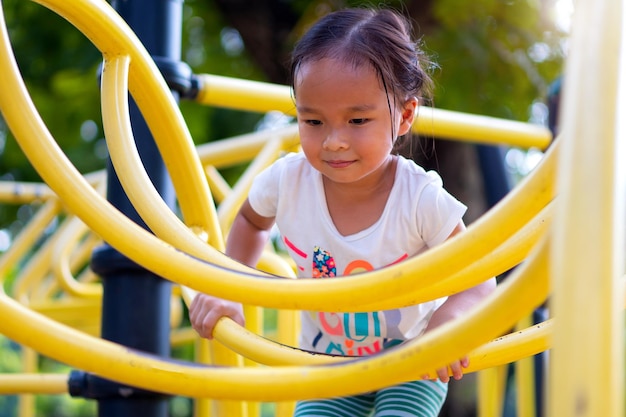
[(346, 128)]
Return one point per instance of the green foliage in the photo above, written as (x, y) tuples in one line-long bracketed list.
[(495, 57), (46, 405), (10, 362), (58, 65), (204, 52)]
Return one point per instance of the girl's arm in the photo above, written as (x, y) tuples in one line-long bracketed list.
[(455, 306), (246, 241)]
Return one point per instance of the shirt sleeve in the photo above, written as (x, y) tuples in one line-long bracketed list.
[(263, 195), (438, 212), (265, 190)]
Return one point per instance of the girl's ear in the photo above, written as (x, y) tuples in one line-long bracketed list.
[(409, 110)]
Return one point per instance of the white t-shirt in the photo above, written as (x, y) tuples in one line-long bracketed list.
[(419, 214)]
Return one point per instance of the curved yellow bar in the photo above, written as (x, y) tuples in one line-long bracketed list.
[(512, 252), (112, 36), (67, 238), (262, 97), (34, 274), (506, 256), (28, 236), (505, 349), (132, 175), (516, 297), (512, 347)]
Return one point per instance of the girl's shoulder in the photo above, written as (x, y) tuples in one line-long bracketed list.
[(292, 163), (291, 158), (409, 170)]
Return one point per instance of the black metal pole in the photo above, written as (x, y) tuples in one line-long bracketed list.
[(136, 302)]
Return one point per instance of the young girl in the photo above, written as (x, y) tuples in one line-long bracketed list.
[(347, 204)]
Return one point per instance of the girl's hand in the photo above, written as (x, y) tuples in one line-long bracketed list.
[(205, 311), (456, 367)]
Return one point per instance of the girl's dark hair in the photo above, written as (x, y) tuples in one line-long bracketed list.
[(363, 36)]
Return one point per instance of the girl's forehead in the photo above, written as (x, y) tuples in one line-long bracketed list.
[(333, 72), (336, 87)]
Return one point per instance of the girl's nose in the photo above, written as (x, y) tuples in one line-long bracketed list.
[(335, 141)]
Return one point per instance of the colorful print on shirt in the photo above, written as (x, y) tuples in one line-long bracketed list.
[(323, 264), (352, 334), (348, 334)]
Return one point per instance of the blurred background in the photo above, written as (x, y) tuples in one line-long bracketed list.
[(500, 58)]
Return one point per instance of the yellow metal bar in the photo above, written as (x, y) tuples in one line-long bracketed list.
[(525, 288), (227, 211), (218, 185), (243, 148), (203, 407), (284, 409), (516, 248), (186, 267), (34, 273), (506, 256), (75, 312), (247, 95), (13, 384), (66, 239), (480, 129), (123, 234), (525, 380), (133, 177), (223, 356), (28, 236), (17, 192), (254, 322), (587, 359), (24, 192), (502, 350), (491, 384), (26, 405), (112, 36), (263, 97)]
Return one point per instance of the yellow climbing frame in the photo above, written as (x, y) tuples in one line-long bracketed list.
[(574, 245)]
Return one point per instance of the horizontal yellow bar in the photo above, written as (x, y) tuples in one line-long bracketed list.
[(19, 192), (12, 384), (263, 97)]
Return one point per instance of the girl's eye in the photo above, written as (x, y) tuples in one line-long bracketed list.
[(358, 121), (312, 122)]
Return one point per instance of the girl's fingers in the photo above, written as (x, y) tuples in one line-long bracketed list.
[(455, 368)]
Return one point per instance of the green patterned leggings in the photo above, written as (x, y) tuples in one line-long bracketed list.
[(411, 399)]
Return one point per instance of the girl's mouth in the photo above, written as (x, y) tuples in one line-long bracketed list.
[(339, 164)]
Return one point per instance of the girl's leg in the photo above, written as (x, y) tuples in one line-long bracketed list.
[(411, 399), (354, 406)]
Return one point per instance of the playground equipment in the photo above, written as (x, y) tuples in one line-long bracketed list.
[(551, 238)]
